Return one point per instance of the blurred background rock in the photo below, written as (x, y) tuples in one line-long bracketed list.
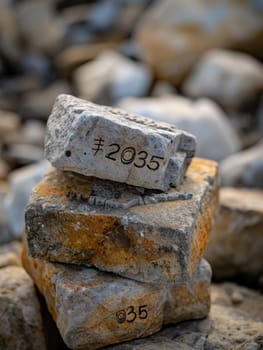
[(194, 63)]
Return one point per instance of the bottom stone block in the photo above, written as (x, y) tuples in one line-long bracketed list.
[(93, 309)]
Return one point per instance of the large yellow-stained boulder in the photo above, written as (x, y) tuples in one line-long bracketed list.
[(93, 309), (146, 236)]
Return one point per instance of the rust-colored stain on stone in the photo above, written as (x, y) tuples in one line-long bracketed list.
[(60, 185), (150, 243), (103, 237), (93, 309), (42, 273), (204, 226)]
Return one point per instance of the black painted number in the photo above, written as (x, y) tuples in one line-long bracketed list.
[(130, 156), (131, 313), (143, 312), (154, 164), (142, 156), (116, 150), (121, 316)]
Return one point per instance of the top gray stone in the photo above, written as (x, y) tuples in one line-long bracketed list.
[(112, 144)]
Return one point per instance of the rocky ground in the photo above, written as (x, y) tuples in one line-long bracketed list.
[(192, 64)]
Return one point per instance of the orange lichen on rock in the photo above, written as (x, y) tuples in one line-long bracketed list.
[(151, 243), (93, 309)]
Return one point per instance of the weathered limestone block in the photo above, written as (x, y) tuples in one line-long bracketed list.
[(236, 243), (111, 144), (75, 219), (93, 309), (20, 317)]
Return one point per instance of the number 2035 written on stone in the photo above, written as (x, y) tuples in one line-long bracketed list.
[(112, 144), (127, 155), (131, 313)]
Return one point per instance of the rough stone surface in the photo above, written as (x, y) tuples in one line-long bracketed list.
[(111, 77), (21, 323), (111, 144), (10, 254), (229, 326), (230, 78), (22, 182), (216, 139), (244, 169), (236, 242), (94, 309), (66, 221), (187, 28)]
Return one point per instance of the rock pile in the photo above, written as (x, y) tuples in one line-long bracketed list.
[(196, 64), (131, 250)]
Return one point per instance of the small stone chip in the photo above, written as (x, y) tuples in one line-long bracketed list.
[(72, 219), (113, 144), (93, 309)]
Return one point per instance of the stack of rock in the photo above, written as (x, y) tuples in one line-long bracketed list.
[(117, 229)]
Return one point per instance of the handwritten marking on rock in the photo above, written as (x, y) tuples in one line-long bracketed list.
[(112, 144), (127, 155), (131, 314), (100, 308), (98, 145), (66, 206)]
